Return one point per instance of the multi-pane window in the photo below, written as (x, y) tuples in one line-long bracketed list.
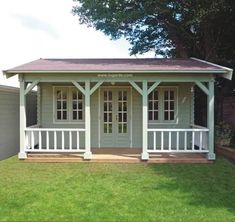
[(162, 105), (153, 105), (68, 104), (108, 111), (61, 105), (169, 104), (122, 111), (77, 105)]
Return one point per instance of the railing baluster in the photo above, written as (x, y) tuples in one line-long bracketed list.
[(162, 140), (55, 140), (193, 139), (62, 140), (185, 140), (154, 140), (47, 140), (70, 140), (32, 140), (169, 140), (78, 146), (200, 141), (40, 139), (177, 140)]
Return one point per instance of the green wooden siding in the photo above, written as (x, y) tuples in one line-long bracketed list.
[(185, 110)]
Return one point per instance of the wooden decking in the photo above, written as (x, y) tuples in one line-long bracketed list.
[(115, 155)]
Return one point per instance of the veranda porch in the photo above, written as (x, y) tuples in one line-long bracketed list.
[(192, 140)]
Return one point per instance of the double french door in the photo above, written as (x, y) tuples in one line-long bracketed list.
[(115, 117)]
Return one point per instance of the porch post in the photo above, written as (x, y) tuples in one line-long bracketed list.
[(87, 154), (210, 121), (22, 154), (145, 155)]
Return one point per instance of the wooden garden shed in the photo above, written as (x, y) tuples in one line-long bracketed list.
[(88, 104)]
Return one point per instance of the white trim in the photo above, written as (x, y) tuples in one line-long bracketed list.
[(99, 117), (161, 120), (131, 114), (68, 121), (130, 104)]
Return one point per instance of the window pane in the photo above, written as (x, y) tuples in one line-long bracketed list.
[(124, 106), (110, 95), (166, 116), (155, 106), (150, 115), (150, 105), (58, 115), (105, 128), (171, 95), (110, 117), (58, 105), (166, 95), (79, 105), (79, 95), (74, 105), (58, 94), (120, 128), (171, 115), (124, 117), (119, 117), (110, 128), (155, 115), (105, 95), (105, 106), (110, 106), (125, 128), (166, 105), (64, 95), (156, 95), (120, 95), (64, 115), (80, 115), (64, 105), (119, 106), (74, 115), (105, 117), (74, 95), (172, 105), (124, 95)]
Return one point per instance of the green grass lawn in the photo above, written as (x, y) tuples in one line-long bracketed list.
[(116, 192)]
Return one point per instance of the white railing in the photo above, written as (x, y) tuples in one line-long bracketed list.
[(178, 140), (53, 139)]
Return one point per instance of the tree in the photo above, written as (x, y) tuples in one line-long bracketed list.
[(199, 28), (171, 28)]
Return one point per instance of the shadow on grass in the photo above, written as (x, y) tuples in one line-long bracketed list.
[(206, 185)]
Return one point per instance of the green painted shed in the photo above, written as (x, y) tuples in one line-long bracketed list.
[(147, 104)]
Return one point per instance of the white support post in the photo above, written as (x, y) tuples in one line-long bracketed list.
[(210, 121), (145, 155), (22, 154), (87, 154)]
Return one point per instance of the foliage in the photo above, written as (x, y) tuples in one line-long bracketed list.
[(204, 29), (116, 192), (223, 133)]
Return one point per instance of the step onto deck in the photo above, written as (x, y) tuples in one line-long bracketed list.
[(117, 158)]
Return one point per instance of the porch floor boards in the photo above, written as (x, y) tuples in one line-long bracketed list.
[(117, 156)]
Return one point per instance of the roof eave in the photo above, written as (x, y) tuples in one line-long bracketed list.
[(228, 72), (10, 73)]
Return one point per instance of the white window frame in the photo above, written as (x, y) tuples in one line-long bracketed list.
[(161, 90), (69, 120)]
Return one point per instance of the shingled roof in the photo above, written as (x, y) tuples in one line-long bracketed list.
[(118, 65)]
